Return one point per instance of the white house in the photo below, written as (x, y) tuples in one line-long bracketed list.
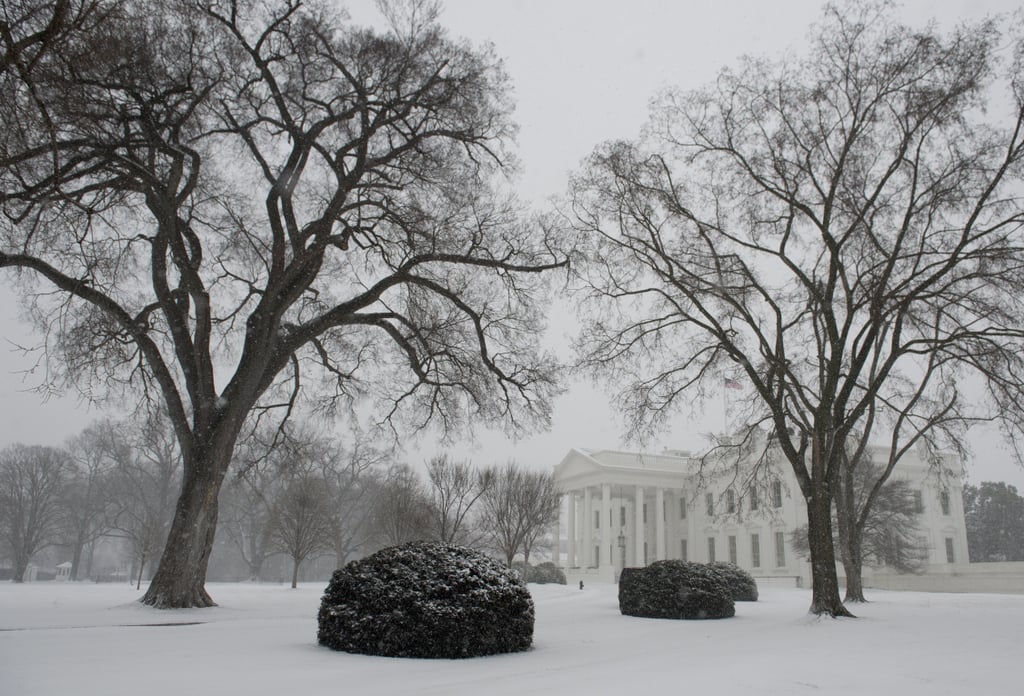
[(631, 508)]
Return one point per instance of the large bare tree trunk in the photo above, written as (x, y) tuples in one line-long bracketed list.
[(180, 578), (824, 580), (854, 566), (20, 565), (850, 537), (89, 558), (76, 556)]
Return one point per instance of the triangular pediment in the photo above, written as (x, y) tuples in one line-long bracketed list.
[(574, 465)]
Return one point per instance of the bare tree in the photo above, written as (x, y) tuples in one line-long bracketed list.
[(268, 463), (301, 523), (401, 508), (350, 478), (825, 230), (316, 508), (542, 502), (230, 205), (454, 489), (31, 28), (32, 479), (247, 505), (884, 533), (144, 486), (875, 515), (519, 506), (86, 502)]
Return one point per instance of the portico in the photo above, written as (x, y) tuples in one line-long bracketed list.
[(623, 509)]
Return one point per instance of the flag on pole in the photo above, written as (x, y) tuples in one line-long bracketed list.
[(732, 384)]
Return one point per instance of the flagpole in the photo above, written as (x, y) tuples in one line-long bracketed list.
[(725, 409), (727, 384)]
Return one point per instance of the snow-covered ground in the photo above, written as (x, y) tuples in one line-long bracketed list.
[(94, 639)]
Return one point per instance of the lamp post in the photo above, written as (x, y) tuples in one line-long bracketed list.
[(622, 550)]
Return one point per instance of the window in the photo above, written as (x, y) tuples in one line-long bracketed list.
[(711, 549), (622, 516), (682, 508), (754, 503), (645, 513), (755, 551), (597, 518), (777, 494), (682, 549), (950, 557), (918, 502), (944, 503), (709, 501), (780, 549), (732, 550), (730, 501)]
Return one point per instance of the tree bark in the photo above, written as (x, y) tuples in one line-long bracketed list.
[(20, 566), (180, 578), (89, 558), (824, 579), (255, 570), (850, 536), (854, 577), (76, 556), (142, 567), (295, 573)]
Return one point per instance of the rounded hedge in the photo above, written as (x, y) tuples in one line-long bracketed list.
[(674, 590), (741, 584), (426, 599), (546, 573), (541, 574)]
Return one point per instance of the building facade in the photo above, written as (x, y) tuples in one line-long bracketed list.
[(628, 509)]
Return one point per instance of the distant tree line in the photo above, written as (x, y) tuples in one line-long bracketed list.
[(293, 496)]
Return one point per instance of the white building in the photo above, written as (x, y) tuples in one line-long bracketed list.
[(625, 509)]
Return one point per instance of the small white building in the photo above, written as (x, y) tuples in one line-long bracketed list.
[(63, 571), (623, 509)]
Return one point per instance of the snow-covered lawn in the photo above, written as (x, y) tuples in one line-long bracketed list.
[(94, 639)]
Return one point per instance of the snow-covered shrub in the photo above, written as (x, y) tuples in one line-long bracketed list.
[(426, 599), (546, 573), (741, 584), (674, 590), (542, 573)]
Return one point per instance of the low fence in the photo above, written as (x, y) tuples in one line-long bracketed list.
[(993, 578), (996, 578)]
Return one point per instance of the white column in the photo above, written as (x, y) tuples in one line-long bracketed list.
[(558, 539), (606, 526), (588, 528), (638, 549), (571, 514), (659, 523), (671, 515)]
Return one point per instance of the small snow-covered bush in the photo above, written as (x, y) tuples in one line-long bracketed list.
[(674, 590), (542, 573), (426, 599), (741, 584), (546, 573)]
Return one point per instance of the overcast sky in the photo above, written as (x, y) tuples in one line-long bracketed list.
[(583, 73)]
